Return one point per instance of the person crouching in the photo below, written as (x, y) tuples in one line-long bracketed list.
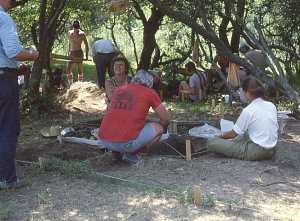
[(124, 130), (255, 133)]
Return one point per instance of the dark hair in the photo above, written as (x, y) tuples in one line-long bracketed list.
[(190, 66), (244, 49), (76, 24), (254, 87), (119, 58)]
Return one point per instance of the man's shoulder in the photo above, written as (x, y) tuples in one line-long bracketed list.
[(4, 17), (81, 33)]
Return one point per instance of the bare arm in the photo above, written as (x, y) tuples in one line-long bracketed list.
[(163, 115), (27, 55), (86, 44), (109, 88), (229, 135)]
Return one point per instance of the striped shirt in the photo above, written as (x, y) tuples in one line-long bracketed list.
[(10, 44)]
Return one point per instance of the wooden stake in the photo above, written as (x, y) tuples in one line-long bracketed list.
[(197, 195), (174, 125), (188, 149)]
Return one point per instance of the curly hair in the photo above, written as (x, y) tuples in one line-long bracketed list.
[(116, 59)]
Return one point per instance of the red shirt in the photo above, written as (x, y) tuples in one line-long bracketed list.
[(127, 112)]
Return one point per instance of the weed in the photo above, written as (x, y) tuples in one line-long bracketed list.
[(6, 210), (44, 197), (186, 197), (209, 200), (67, 168)]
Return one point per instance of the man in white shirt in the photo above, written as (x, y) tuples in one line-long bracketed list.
[(103, 52), (255, 133)]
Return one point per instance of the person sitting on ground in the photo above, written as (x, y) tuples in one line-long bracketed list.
[(197, 86), (255, 132), (124, 129), (119, 67)]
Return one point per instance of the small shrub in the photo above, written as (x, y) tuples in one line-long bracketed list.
[(68, 168), (6, 210)]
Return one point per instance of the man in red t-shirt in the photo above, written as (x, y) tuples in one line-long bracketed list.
[(124, 129)]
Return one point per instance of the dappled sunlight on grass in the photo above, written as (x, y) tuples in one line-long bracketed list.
[(187, 107)]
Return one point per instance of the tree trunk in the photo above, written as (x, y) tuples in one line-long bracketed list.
[(237, 29), (149, 41), (48, 25)]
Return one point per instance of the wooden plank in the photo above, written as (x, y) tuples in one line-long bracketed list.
[(173, 127), (94, 144), (188, 149), (66, 58)]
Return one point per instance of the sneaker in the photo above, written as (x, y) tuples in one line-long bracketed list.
[(20, 182), (133, 158)]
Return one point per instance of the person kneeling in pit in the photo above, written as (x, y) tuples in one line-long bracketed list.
[(254, 135), (124, 130)]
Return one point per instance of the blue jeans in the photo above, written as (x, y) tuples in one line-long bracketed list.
[(9, 126), (129, 148)]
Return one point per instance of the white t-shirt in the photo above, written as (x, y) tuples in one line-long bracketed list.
[(103, 46), (259, 120), (194, 82)]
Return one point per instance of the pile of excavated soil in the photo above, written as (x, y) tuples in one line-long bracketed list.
[(84, 96)]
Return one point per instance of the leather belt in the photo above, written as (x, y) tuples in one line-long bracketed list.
[(8, 71)]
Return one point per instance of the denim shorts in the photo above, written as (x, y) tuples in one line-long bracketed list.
[(146, 135)]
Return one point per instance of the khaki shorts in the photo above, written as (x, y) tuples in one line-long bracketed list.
[(76, 56)]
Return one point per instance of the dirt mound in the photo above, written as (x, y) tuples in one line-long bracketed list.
[(84, 96)]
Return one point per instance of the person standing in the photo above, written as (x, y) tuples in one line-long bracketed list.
[(103, 52), (76, 37), (11, 51)]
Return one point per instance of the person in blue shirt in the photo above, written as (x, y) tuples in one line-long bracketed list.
[(11, 51)]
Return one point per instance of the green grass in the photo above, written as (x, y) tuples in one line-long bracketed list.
[(89, 69), (68, 168), (189, 107), (6, 210)]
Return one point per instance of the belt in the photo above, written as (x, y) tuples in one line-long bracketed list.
[(100, 53), (8, 71)]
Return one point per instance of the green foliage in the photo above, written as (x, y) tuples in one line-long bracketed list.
[(196, 107), (68, 168)]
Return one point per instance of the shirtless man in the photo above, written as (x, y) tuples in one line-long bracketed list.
[(76, 37)]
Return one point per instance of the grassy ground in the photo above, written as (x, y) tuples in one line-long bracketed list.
[(92, 188), (89, 69)]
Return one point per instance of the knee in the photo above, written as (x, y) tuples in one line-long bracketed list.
[(158, 129)]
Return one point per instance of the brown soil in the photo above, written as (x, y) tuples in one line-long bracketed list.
[(84, 96), (230, 189)]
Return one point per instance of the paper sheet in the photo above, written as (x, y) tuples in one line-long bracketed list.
[(226, 125)]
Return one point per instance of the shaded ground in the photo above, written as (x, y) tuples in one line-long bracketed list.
[(159, 189), (232, 189)]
